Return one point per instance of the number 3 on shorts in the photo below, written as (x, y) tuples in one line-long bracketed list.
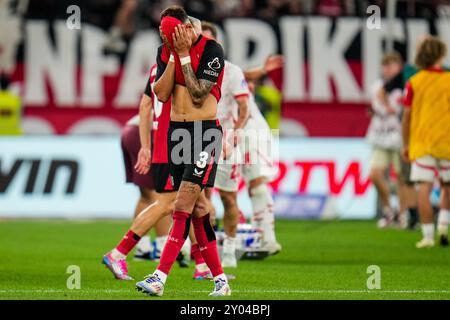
[(203, 157)]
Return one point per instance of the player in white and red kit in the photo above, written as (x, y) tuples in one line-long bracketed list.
[(190, 70), (238, 110), (233, 113)]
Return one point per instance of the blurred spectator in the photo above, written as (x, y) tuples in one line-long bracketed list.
[(123, 17), (295, 7), (123, 26), (332, 8), (246, 9), (100, 13), (201, 9)]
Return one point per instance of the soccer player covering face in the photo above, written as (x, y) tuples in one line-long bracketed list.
[(152, 114), (190, 71)]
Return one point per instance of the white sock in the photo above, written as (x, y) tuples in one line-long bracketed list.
[(222, 277), (144, 245), (229, 245), (443, 219), (160, 243), (387, 212), (263, 217), (117, 255), (161, 275), (428, 231)]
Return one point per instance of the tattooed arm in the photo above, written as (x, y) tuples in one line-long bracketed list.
[(198, 89), (199, 83), (165, 74)]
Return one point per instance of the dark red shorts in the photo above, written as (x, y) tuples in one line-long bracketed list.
[(203, 144), (131, 144)]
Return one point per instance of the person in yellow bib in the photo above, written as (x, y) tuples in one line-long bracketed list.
[(426, 135), (10, 110)]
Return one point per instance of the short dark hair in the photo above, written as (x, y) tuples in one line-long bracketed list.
[(210, 27), (175, 12)]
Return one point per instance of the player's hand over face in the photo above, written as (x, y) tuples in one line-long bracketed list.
[(164, 39), (182, 41), (144, 161)]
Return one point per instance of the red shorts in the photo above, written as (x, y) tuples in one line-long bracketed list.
[(131, 144)]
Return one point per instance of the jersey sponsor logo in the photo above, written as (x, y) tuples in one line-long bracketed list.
[(214, 64), (198, 173), (211, 73)]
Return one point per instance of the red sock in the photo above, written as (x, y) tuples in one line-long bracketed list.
[(128, 242), (196, 254), (175, 240), (206, 238)]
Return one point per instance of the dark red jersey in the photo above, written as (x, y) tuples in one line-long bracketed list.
[(207, 60), (161, 120)]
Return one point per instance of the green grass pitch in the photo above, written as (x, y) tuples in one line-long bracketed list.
[(320, 260)]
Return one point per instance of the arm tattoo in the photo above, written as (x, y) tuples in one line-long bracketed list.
[(198, 89)]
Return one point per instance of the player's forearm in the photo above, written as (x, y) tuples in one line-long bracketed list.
[(145, 121), (198, 90), (406, 123), (164, 86), (254, 73), (243, 111)]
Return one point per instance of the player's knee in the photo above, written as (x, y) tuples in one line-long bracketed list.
[(169, 208), (183, 205), (373, 174), (200, 209), (255, 185)]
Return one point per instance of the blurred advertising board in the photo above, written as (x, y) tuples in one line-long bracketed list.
[(83, 177), (69, 84)]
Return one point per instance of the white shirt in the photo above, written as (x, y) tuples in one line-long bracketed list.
[(256, 119), (385, 129), (234, 85)]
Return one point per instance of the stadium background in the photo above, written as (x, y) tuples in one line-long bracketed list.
[(77, 94)]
